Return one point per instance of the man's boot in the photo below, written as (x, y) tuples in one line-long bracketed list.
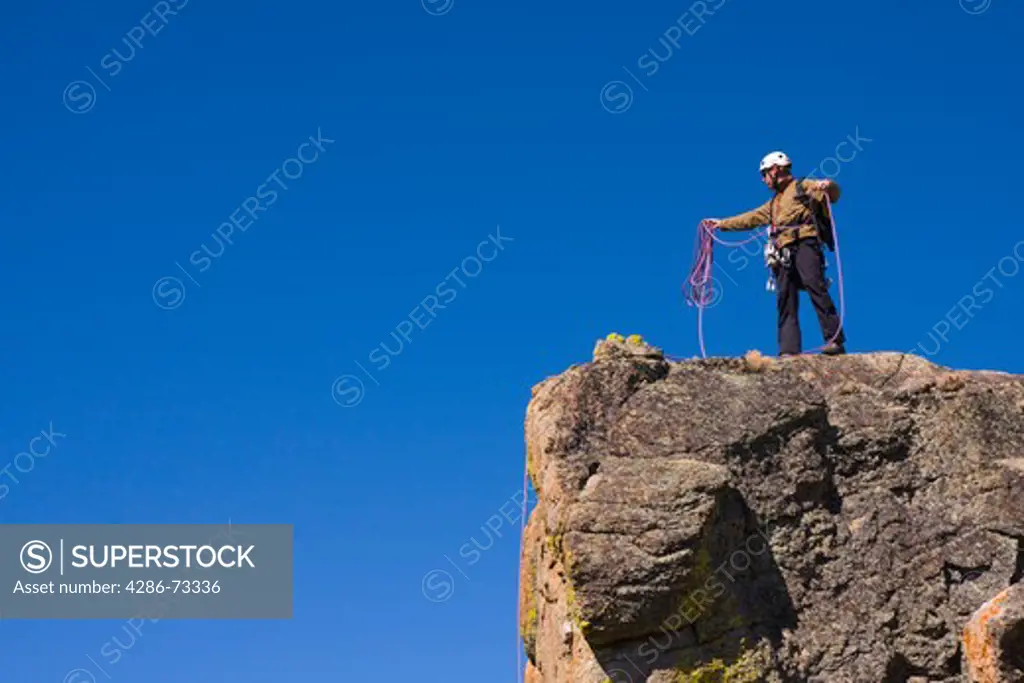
[(834, 349)]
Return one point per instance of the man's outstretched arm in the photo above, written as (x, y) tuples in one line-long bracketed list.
[(746, 221)]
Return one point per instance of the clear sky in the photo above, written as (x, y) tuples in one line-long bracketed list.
[(255, 387)]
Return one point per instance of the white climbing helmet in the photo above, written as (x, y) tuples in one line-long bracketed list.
[(775, 159)]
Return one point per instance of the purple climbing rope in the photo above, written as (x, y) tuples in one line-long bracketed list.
[(699, 288)]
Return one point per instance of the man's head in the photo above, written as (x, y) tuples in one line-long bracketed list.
[(776, 170)]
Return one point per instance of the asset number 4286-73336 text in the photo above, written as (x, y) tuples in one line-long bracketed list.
[(159, 587)]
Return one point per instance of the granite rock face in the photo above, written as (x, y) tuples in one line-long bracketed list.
[(857, 519)]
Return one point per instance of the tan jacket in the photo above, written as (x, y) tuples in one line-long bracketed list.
[(783, 211)]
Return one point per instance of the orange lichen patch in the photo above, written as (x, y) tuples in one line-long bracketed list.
[(980, 647), (755, 361), (532, 674), (528, 591)]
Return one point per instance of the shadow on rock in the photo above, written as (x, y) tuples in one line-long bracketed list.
[(729, 615)]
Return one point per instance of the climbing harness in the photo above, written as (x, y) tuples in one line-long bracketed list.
[(699, 286), (775, 258)]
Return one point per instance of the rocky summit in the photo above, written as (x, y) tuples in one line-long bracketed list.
[(851, 519)]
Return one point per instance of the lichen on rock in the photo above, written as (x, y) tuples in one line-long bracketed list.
[(751, 666), (617, 346), (994, 639)]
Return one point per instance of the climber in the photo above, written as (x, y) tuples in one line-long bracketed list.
[(800, 224)]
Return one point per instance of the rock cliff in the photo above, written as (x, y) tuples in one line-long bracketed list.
[(857, 519)]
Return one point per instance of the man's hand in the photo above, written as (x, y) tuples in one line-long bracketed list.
[(827, 187), (712, 222)]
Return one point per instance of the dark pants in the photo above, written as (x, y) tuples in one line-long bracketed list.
[(806, 271)]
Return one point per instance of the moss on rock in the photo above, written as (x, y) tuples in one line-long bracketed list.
[(750, 667), (696, 581), (528, 630), (532, 458)]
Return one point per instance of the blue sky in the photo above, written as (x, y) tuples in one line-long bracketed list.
[(229, 393)]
